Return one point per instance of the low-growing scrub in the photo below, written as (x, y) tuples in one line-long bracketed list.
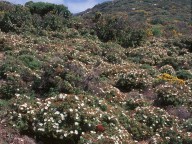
[(95, 77)]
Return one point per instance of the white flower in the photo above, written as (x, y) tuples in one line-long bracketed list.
[(62, 117), (49, 102), (71, 110), (65, 135), (82, 104), (93, 132), (34, 128), (32, 112), (61, 137), (41, 129), (40, 124), (71, 132), (76, 123), (99, 137), (57, 112), (76, 132), (76, 97), (19, 116), (58, 131)]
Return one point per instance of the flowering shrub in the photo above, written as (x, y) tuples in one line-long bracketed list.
[(64, 117), (169, 94), (167, 69), (134, 79), (60, 83), (147, 55)]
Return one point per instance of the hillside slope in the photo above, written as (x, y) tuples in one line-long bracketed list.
[(93, 79), (165, 9)]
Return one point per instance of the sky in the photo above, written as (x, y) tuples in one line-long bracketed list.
[(74, 6)]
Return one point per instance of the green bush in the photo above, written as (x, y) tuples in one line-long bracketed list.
[(7, 90), (30, 61), (132, 37), (139, 131), (10, 65), (4, 45), (15, 20), (42, 9), (156, 31), (116, 28), (52, 22), (134, 79), (184, 74), (156, 21), (188, 125), (184, 42), (170, 94)]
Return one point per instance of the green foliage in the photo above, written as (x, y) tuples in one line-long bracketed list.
[(34, 15), (4, 45), (16, 19), (188, 125), (169, 94), (132, 38), (156, 21), (9, 65), (184, 74), (7, 91), (132, 104), (139, 131), (156, 31), (184, 42), (52, 22), (117, 29), (30, 61), (135, 79), (42, 9), (61, 78)]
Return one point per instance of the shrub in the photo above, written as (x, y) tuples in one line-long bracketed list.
[(175, 62), (30, 61), (139, 131), (12, 86), (169, 94), (4, 45), (156, 21), (132, 104), (116, 28), (184, 74), (10, 65), (167, 69), (52, 22), (16, 20), (156, 31), (132, 37), (188, 125), (134, 79), (42, 9), (184, 42)]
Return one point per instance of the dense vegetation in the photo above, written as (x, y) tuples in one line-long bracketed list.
[(98, 77)]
